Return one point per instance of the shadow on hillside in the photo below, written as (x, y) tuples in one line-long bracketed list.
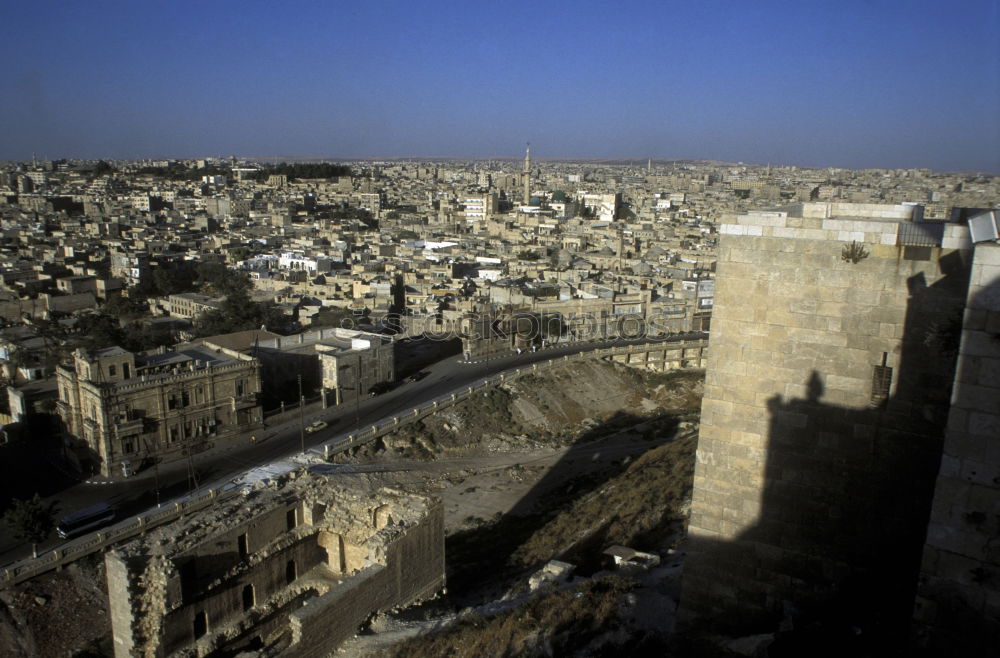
[(508, 547), (835, 552), (34, 460)]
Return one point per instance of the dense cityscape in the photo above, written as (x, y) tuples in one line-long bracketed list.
[(159, 314), (465, 330)]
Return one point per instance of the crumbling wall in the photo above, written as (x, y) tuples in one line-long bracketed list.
[(222, 605), (409, 567), (331, 619), (254, 569), (121, 603)]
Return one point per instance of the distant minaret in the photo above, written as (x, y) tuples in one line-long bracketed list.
[(649, 165), (526, 177)]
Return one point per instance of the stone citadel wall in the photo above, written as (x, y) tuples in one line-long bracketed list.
[(823, 415)]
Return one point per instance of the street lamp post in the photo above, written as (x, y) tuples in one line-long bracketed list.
[(302, 427)]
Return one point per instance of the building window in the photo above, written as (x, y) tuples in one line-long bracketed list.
[(185, 399), (173, 433), (125, 372), (290, 572), (200, 624), (112, 371), (248, 597), (128, 445), (881, 382), (290, 519), (243, 546)]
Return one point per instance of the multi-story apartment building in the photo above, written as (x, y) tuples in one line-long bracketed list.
[(131, 266), (299, 261), (132, 407), (604, 206), (480, 207), (189, 305), (352, 362)]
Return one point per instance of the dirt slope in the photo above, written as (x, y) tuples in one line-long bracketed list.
[(580, 401), (62, 613)]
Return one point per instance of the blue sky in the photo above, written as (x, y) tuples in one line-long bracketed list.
[(905, 83)]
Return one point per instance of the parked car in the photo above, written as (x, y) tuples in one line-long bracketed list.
[(316, 426), (417, 376), (380, 388)]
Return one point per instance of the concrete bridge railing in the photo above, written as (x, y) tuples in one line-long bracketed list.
[(60, 557), (691, 354)]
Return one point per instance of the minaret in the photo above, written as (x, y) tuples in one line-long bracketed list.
[(526, 177)]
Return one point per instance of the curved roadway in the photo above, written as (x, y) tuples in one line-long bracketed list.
[(284, 439)]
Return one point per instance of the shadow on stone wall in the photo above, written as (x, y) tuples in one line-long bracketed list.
[(835, 554)]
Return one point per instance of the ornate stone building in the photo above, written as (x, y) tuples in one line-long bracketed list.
[(164, 404)]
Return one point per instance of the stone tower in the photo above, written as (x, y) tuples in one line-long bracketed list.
[(826, 399), (526, 178)]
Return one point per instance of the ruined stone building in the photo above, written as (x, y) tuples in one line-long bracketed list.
[(130, 407), (831, 393), (291, 569)]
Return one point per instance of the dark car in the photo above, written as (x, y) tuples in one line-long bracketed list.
[(417, 376), (380, 388)]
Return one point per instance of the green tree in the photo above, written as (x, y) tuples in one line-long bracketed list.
[(100, 330), (238, 254), (221, 280), (31, 520), (304, 170), (176, 277), (332, 317), (126, 308), (238, 313), (102, 168)]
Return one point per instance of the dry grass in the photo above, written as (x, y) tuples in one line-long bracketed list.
[(639, 504), (580, 621), (639, 508), (591, 619)]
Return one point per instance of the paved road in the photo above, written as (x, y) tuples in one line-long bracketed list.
[(282, 438)]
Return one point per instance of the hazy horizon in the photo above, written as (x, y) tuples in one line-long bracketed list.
[(857, 85)]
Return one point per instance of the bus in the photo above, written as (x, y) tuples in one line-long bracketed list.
[(85, 520)]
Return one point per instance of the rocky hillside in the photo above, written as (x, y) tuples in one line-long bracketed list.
[(61, 613), (561, 406)]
